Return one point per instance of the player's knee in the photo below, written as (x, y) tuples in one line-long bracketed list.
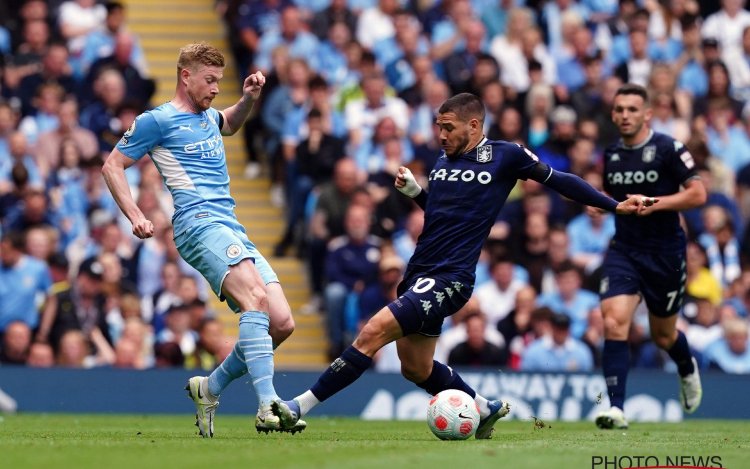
[(613, 325), (370, 339), (663, 340)]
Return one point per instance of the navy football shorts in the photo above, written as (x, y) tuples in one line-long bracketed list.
[(659, 277), (425, 301)]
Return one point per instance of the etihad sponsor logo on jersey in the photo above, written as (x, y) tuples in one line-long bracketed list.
[(632, 177), (458, 175), (212, 147)]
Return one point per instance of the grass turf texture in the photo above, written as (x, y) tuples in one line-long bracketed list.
[(135, 442)]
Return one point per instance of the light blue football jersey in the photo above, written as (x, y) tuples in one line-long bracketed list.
[(188, 151)]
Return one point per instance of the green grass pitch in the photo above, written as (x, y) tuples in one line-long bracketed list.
[(159, 441)]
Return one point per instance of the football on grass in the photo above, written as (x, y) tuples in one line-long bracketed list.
[(453, 415)]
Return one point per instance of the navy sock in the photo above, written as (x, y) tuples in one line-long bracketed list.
[(442, 378), (680, 353), (343, 371), (615, 364)]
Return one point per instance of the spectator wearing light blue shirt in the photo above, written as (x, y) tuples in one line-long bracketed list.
[(557, 351), (589, 234), (300, 43), (30, 285), (332, 55), (570, 299), (731, 353)]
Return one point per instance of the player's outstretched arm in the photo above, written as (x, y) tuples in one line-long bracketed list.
[(693, 196), (113, 172), (236, 115), (408, 185), (575, 188)]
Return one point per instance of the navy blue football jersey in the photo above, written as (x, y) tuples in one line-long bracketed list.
[(464, 195), (655, 168)]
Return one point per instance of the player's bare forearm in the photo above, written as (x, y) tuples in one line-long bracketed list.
[(114, 175), (236, 115), (693, 196)]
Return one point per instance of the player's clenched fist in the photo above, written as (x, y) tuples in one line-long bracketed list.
[(143, 228), (406, 183), (253, 84), (635, 204)]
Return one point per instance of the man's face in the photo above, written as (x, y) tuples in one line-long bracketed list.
[(203, 85), (630, 114), (454, 133)]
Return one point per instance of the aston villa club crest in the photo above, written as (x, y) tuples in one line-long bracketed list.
[(484, 154), (649, 153)]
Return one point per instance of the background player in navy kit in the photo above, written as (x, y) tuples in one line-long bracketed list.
[(646, 258), (468, 186)]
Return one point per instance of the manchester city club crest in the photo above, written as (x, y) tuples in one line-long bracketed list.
[(484, 154), (649, 153), (233, 251), (204, 124)]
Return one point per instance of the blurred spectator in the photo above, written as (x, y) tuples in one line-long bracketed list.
[(41, 356), (327, 221), (691, 64), (139, 88), (19, 153), (557, 351), (100, 116), (168, 354), (555, 151), (14, 349), (47, 101), (727, 24), (507, 49), (665, 119), (457, 332), (459, 65), (589, 234), (207, 354), (731, 353), (101, 42), (700, 283), (27, 58), (362, 115), (178, 330), (291, 33), (77, 18), (405, 242), (718, 95), (637, 68), (81, 309), (332, 54), (476, 351), (29, 297), (336, 12), (351, 267), (54, 69), (376, 23), (497, 298), (570, 299), (722, 247), (374, 297), (49, 147), (74, 351), (314, 161), (703, 327)]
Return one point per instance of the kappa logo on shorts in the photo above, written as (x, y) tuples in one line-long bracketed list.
[(604, 285), (233, 251)]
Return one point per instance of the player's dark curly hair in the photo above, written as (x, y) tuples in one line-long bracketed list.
[(465, 105), (632, 88)]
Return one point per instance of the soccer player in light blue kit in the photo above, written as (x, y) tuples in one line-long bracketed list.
[(184, 139)]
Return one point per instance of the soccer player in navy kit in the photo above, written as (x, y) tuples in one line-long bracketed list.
[(468, 186), (646, 258)]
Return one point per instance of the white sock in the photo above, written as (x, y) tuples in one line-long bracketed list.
[(306, 401), (482, 403)]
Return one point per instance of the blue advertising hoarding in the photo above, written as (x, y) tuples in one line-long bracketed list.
[(652, 396)]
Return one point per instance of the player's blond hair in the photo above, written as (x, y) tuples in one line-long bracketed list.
[(199, 53)]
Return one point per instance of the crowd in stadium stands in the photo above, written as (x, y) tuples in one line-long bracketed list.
[(352, 91)]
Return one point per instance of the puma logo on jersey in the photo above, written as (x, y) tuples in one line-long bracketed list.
[(185, 127), (632, 177), (458, 175)]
